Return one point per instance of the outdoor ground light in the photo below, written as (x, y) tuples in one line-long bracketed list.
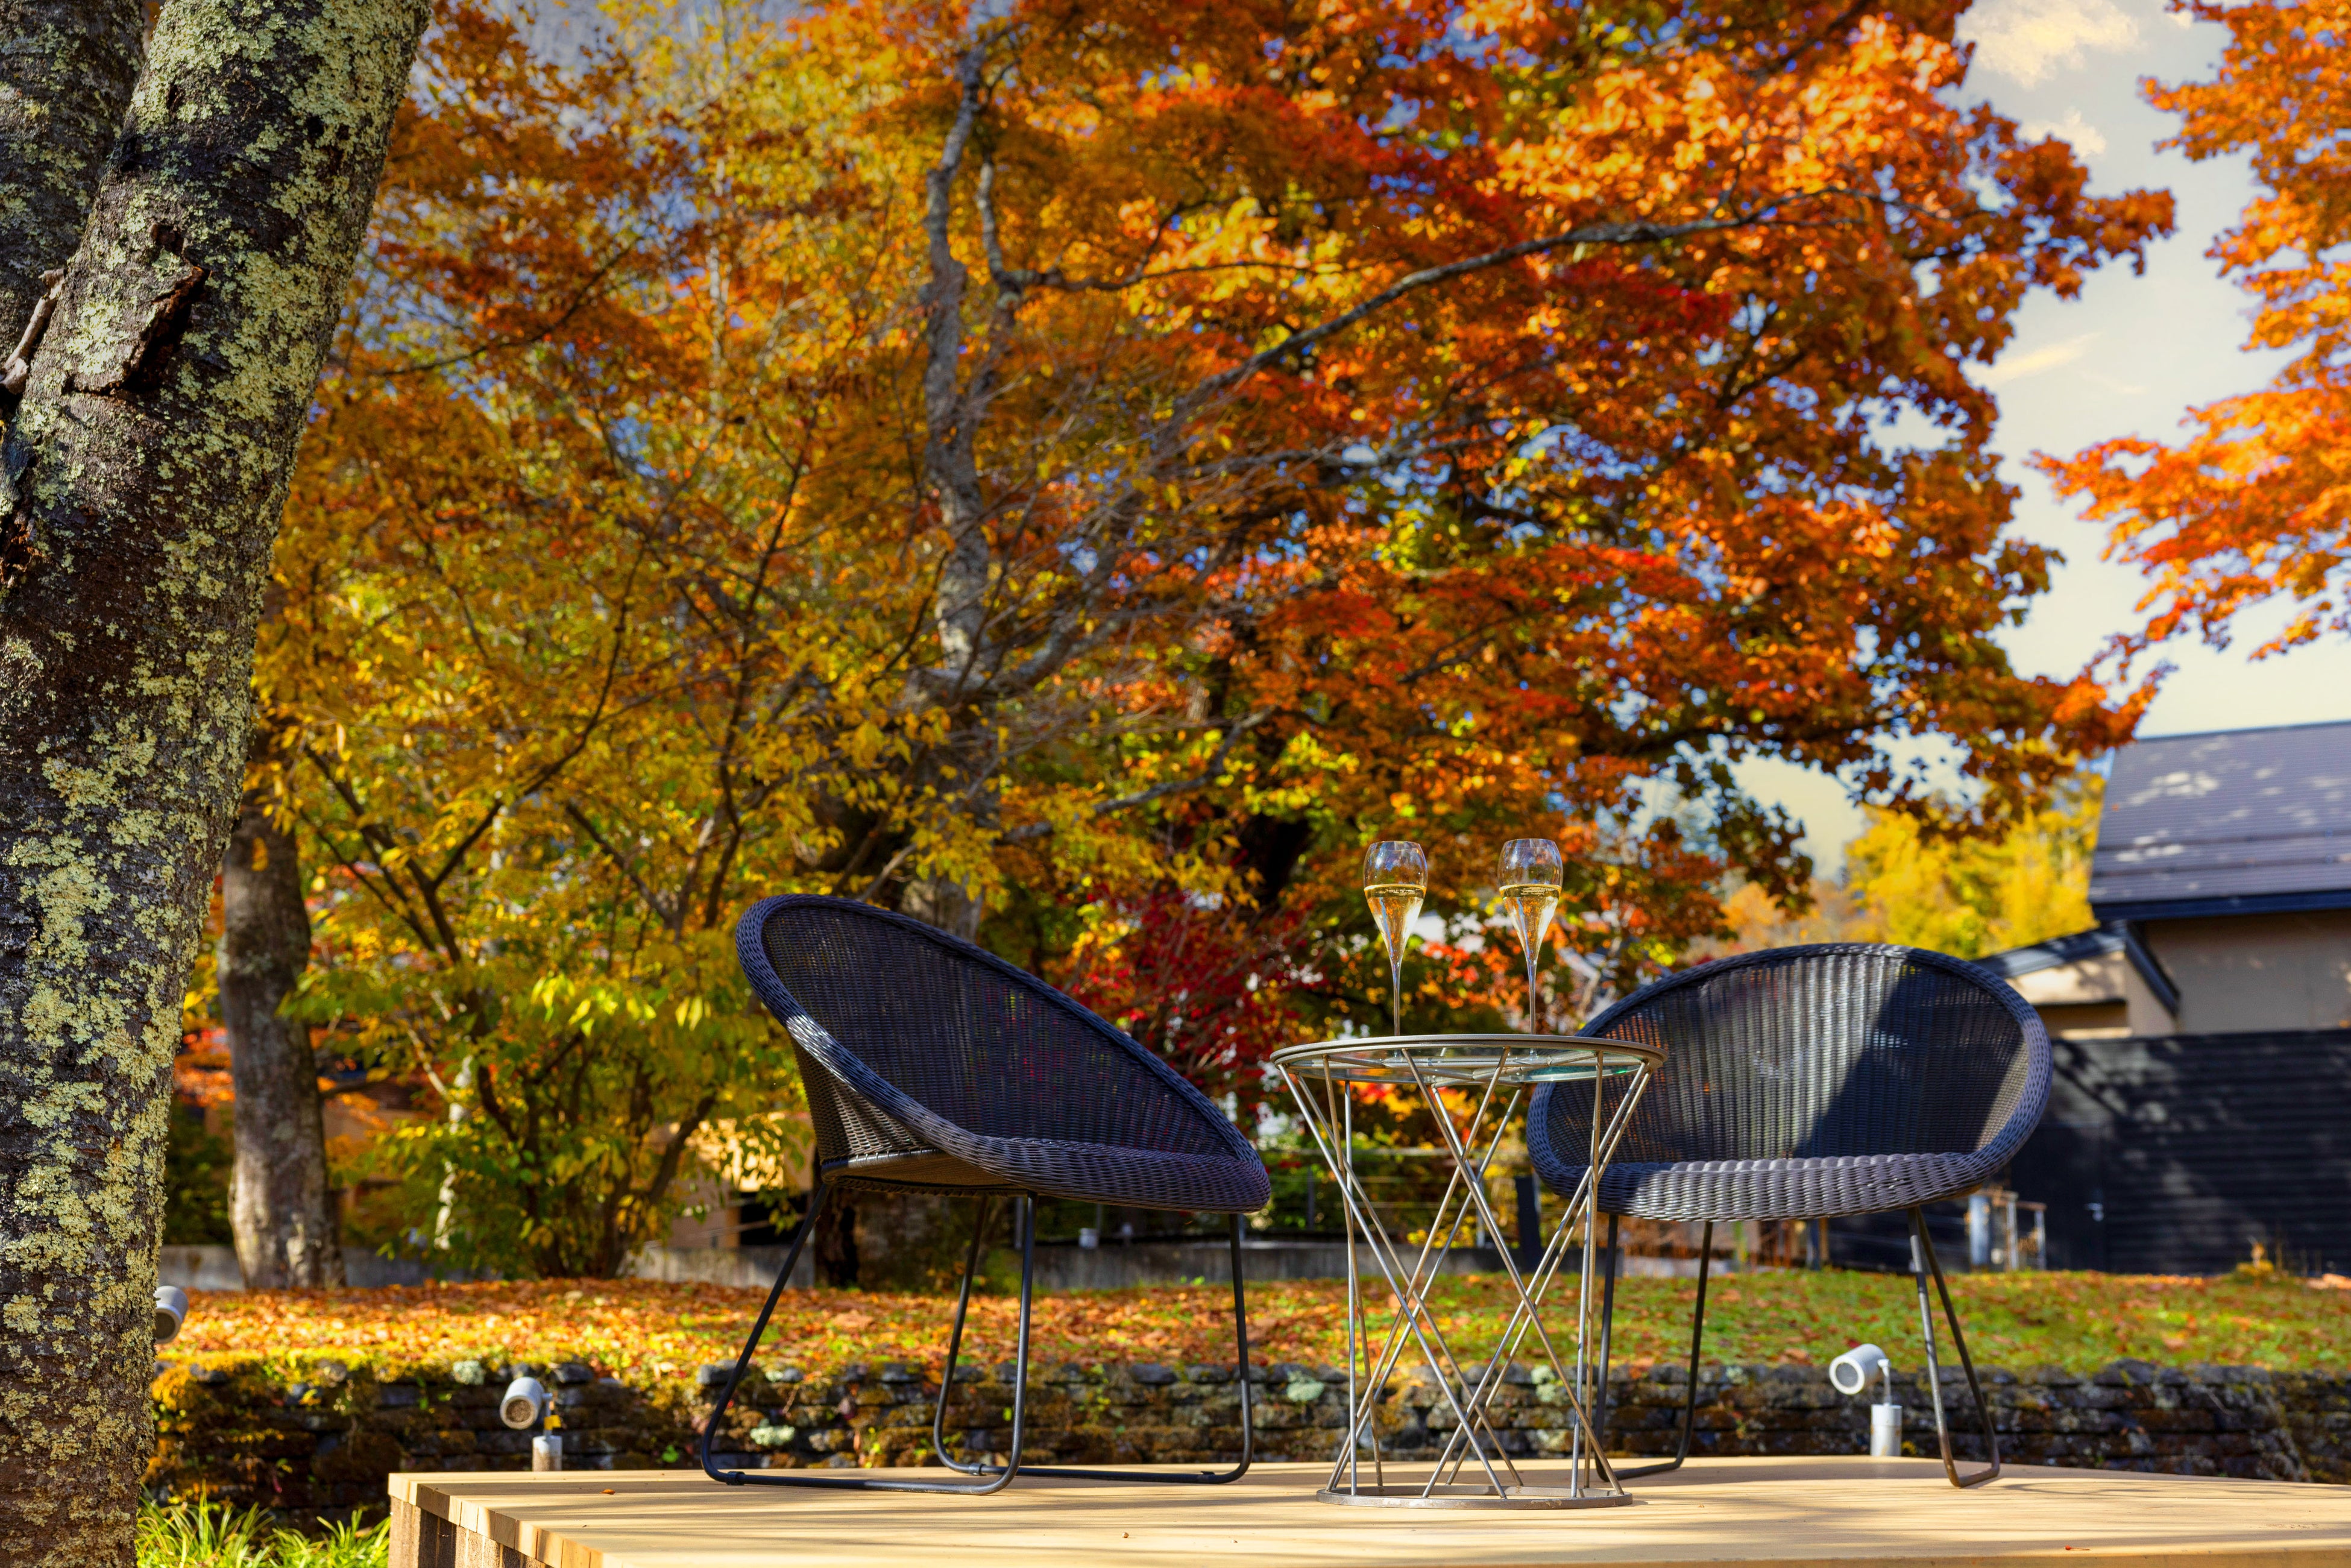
[(171, 1311), (523, 1406), (524, 1402), (1851, 1373)]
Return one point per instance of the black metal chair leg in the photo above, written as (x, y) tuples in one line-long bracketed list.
[(835, 1480), (1698, 1338), (1922, 1264), (955, 1346), (1202, 1478)]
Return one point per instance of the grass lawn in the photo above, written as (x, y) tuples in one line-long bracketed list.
[(198, 1535), (638, 1329)]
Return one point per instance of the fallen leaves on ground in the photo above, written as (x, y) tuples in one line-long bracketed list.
[(639, 1328)]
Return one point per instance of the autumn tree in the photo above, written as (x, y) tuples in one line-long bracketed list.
[(1069, 468), (1974, 895), (1512, 467), (1925, 881), (201, 206), (569, 663), (2254, 505), (1555, 506)]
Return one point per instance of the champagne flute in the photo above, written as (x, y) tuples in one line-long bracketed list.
[(1396, 879), (1529, 874)]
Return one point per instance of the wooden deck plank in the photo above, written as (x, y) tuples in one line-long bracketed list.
[(1787, 1513)]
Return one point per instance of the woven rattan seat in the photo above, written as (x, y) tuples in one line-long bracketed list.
[(931, 1065), (1810, 1083)]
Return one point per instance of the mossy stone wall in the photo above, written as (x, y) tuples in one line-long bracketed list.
[(317, 1436)]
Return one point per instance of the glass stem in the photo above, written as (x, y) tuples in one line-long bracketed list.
[(1534, 1017), (1395, 997)]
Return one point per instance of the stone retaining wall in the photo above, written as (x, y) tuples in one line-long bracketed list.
[(323, 1444), (1060, 1266)]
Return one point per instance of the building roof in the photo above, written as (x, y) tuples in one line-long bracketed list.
[(2080, 947), (2244, 821), (2095, 943)]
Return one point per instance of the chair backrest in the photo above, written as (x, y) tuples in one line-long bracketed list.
[(1818, 1052), (888, 1014)]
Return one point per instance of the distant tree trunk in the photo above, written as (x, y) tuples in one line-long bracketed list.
[(949, 905), (141, 487), (835, 1241), (280, 1204), (892, 1249)]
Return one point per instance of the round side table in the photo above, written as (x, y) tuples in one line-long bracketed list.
[(1489, 1073)]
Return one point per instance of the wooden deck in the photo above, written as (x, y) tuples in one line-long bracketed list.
[(1779, 1511)]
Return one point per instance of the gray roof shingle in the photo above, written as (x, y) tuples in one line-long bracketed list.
[(2231, 823)]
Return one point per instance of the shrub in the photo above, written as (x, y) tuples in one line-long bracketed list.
[(198, 1533)]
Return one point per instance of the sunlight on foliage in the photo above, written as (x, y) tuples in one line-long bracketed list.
[(1075, 475), (638, 1331), (202, 1534), (2251, 509), (1973, 896)]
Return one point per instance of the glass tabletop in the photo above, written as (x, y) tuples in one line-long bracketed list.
[(1455, 1059)]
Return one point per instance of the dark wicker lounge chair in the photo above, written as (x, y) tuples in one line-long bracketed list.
[(931, 1065), (1808, 1084)]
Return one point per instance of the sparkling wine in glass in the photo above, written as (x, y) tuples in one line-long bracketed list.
[(1530, 878), (1396, 879)]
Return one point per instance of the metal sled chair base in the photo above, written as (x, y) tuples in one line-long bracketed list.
[(987, 1478), (1923, 1263)]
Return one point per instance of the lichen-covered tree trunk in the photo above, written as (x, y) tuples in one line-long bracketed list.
[(65, 71), (139, 491), (279, 1197)]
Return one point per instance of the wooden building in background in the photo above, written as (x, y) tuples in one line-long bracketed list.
[(2202, 1030)]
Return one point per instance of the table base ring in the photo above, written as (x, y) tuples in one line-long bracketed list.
[(1461, 1496)]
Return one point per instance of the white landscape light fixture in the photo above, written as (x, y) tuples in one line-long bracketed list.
[(524, 1402), (171, 1311), (1851, 1373), (522, 1407)]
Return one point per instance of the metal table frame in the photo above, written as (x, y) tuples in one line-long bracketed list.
[(1322, 1078)]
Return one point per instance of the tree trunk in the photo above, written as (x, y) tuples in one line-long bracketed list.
[(835, 1241), (279, 1205), (140, 485), (949, 905), (65, 81)]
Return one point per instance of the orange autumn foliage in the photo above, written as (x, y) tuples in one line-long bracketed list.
[(1075, 456), (643, 1331), (2254, 505)]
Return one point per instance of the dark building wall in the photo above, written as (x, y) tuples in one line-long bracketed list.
[(2174, 1153)]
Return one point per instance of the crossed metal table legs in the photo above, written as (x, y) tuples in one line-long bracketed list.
[(1474, 1468)]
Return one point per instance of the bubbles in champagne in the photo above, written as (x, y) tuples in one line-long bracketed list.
[(1396, 905), (1531, 904)]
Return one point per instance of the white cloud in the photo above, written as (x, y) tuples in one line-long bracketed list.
[(2026, 40), (2113, 384), (2016, 367), (2086, 138)]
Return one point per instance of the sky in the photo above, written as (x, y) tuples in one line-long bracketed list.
[(2129, 357)]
